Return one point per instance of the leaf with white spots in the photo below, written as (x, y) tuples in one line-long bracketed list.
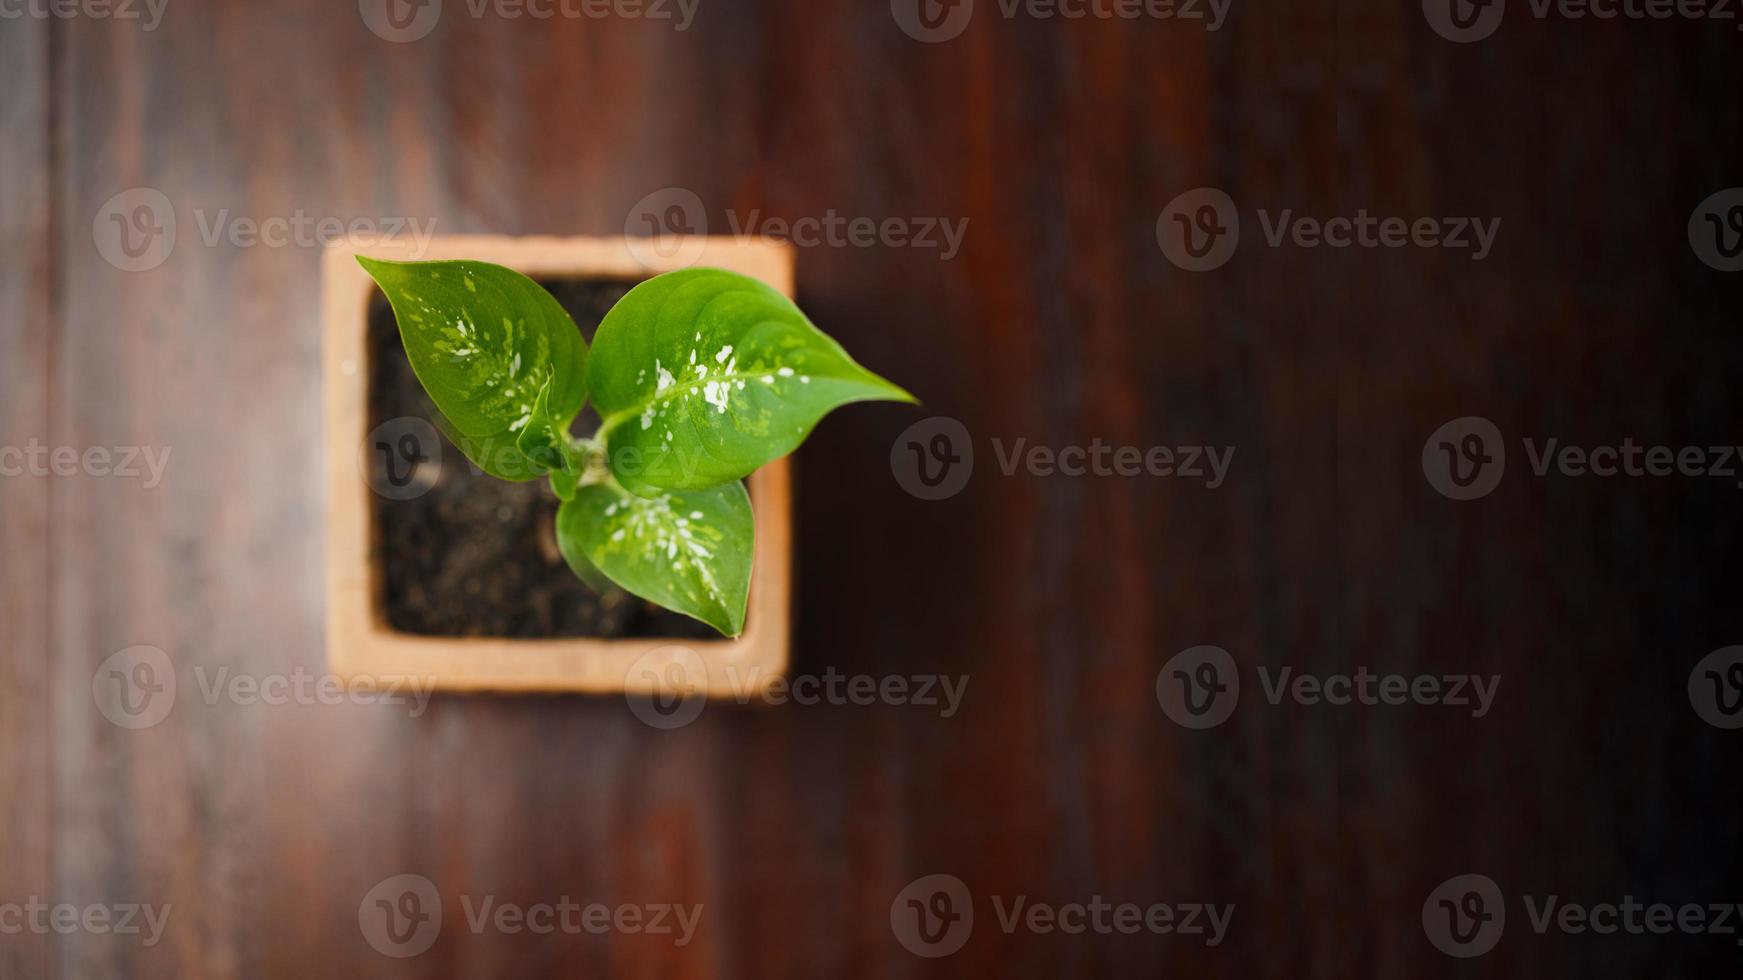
[(701, 376), (497, 453), (484, 341), (569, 543), (689, 551)]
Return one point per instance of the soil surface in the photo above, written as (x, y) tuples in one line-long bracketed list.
[(477, 556)]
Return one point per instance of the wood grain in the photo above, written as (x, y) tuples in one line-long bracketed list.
[(27, 297), (1059, 322)]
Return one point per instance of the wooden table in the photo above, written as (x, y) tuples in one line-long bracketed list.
[(1059, 322)]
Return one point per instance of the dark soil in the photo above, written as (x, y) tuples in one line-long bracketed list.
[(477, 556)]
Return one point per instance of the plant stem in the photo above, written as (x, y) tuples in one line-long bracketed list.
[(590, 454)]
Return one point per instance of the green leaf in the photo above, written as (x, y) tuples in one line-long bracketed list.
[(541, 438), (564, 483), (570, 545), (485, 341), (497, 453), (688, 551), (701, 376)]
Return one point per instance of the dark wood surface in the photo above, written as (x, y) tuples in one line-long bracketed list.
[(1061, 321), (26, 680)]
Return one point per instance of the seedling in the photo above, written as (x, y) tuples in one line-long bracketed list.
[(698, 377)]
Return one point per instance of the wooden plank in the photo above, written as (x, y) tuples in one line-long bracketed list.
[(1059, 321), (26, 369)]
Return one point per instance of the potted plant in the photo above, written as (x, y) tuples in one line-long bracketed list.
[(580, 524)]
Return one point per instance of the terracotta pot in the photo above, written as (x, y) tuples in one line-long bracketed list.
[(361, 644)]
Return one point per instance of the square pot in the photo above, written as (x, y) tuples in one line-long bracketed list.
[(362, 645)]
